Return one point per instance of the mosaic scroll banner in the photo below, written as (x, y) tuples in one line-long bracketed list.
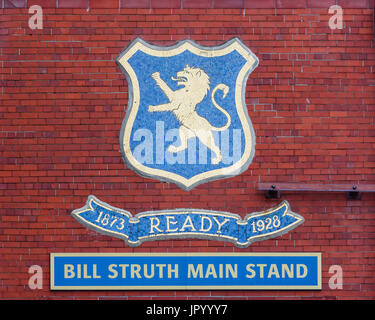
[(185, 271), (187, 223)]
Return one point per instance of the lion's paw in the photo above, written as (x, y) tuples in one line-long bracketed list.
[(156, 75)]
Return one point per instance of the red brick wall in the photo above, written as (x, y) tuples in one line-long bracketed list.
[(63, 98)]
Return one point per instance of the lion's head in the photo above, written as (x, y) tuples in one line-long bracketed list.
[(195, 80)]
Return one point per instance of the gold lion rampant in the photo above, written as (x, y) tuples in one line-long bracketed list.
[(182, 102)]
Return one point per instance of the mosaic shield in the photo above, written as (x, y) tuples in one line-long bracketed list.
[(187, 120)]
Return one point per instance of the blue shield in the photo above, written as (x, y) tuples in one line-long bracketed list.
[(187, 121)]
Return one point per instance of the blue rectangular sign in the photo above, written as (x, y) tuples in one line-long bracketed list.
[(185, 271)]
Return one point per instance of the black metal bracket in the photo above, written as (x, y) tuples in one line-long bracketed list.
[(273, 193), (352, 192)]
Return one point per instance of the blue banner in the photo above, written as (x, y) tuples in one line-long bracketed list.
[(187, 223), (164, 271)]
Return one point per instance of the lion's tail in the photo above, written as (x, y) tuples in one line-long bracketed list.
[(223, 87)]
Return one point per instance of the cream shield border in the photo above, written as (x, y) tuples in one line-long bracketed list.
[(134, 100)]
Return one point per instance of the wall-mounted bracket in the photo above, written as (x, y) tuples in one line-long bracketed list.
[(352, 192), (273, 193)]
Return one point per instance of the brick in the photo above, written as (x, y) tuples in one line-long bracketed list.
[(104, 4), (250, 4), (353, 4), (42, 3), (167, 4), (84, 4), (228, 4), (135, 3), (197, 3), (320, 3), (14, 3), (293, 4)]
